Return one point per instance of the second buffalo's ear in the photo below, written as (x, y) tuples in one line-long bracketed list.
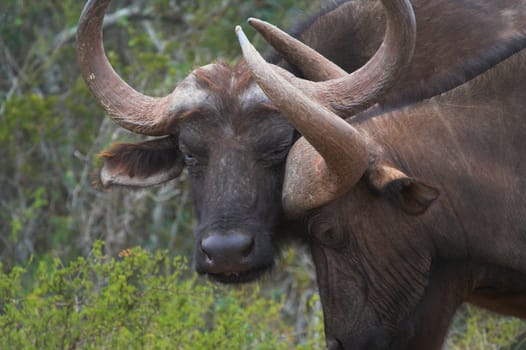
[(412, 195), (141, 165)]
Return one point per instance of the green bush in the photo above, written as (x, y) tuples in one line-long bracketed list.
[(479, 329), (139, 300)]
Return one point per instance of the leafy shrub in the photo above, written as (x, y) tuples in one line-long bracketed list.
[(478, 329), (137, 301)]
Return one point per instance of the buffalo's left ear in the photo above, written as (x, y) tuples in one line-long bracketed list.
[(412, 195), (141, 165)]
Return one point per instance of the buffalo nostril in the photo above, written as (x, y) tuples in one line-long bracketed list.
[(208, 257), (229, 247), (250, 247)]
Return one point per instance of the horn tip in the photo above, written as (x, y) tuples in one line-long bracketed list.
[(243, 40), (259, 24), (253, 20)]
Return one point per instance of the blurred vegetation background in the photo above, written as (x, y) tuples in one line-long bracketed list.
[(51, 131)]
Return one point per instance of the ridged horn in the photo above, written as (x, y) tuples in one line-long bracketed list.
[(312, 64), (352, 93), (127, 107), (338, 156), (340, 150)]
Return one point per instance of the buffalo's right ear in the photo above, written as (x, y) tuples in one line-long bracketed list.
[(412, 195), (141, 165)]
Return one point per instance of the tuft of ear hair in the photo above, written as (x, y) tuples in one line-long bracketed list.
[(412, 195), (141, 165)]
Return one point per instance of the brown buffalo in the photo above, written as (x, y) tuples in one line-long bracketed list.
[(412, 205)]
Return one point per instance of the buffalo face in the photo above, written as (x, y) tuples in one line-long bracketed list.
[(234, 144), (235, 155)]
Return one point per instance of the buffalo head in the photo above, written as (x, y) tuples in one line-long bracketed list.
[(239, 137)]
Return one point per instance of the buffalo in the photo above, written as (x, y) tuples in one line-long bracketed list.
[(401, 166)]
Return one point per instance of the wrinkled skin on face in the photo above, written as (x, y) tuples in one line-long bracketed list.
[(392, 278), (235, 148), (233, 143), (371, 277)]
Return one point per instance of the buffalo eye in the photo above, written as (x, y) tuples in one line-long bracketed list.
[(273, 147), (327, 232), (189, 159), (194, 153)]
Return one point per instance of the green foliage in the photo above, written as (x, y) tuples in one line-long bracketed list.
[(477, 329), (38, 201), (137, 301), (20, 119)]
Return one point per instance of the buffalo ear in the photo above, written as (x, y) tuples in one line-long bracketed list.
[(141, 165), (412, 195)]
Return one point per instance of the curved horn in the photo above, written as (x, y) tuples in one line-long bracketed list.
[(340, 154), (313, 65), (126, 106), (349, 94), (343, 155), (359, 90)]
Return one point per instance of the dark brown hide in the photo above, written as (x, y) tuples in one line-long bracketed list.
[(395, 280)]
